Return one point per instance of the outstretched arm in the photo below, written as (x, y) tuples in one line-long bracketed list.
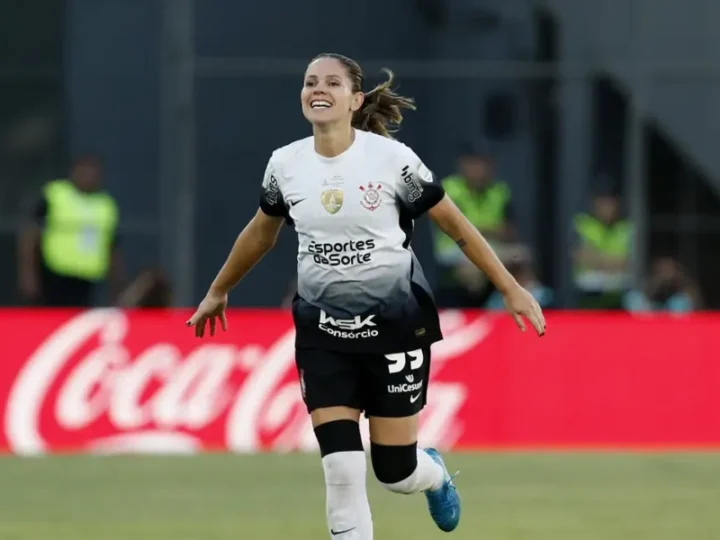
[(255, 240), (452, 222)]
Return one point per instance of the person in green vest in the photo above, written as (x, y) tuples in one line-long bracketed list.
[(71, 242), (602, 253), (487, 203)]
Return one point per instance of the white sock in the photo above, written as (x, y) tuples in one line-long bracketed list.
[(428, 475), (347, 506)]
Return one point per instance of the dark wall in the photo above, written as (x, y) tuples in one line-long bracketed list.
[(113, 92), (372, 29), (33, 135)]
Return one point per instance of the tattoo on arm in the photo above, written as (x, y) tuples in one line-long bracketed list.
[(461, 243)]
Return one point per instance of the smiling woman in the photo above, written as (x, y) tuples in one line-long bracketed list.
[(377, 111), (364, 314)]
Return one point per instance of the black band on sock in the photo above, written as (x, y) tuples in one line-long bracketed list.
[(339, 436), (393, 464)]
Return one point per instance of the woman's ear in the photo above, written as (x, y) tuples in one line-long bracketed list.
[(357, 101)]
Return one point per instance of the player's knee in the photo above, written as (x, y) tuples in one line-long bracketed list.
[(394, 465), (342, 451), (339, 436)]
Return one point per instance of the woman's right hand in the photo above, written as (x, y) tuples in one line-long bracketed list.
[(210, 309)]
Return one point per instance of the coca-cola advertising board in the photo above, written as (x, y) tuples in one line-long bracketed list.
[(108, 381)]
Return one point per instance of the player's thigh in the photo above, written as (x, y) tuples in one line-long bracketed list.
[(325, 415), (394, 431), (395, 391), (329, 382)]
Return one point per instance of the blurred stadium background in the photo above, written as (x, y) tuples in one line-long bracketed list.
[(607, 428)]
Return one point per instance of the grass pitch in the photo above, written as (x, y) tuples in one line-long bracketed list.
[(281, 497)]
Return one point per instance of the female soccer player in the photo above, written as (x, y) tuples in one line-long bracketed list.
[(364, 314)]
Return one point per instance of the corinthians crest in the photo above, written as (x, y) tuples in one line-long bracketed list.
[(372, 198)]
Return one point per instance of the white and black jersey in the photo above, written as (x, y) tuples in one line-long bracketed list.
[(360, 286)]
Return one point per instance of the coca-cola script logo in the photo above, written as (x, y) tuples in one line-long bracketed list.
[(105, 381)]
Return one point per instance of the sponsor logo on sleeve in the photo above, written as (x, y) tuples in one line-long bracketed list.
[(273, 190), (412, 184)]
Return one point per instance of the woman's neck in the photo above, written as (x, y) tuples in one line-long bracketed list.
[(333, 140)]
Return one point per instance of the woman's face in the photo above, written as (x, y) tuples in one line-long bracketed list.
[(327, 95)]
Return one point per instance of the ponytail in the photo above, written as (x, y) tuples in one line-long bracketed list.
[(381, 112)]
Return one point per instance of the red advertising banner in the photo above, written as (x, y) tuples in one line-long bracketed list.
[(114, 381)]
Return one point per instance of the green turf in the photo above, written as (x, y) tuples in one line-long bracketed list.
[(280, 497)]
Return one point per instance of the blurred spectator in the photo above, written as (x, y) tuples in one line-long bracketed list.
[(521, 267), (486, 202), (668, 288), (150, 289), (602, 254), (70, 243)]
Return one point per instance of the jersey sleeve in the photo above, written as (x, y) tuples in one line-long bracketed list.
[(271, 198), (418, 190)]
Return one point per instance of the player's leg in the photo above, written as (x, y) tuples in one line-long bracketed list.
[(401, 467), (404, 468), (329, 390)]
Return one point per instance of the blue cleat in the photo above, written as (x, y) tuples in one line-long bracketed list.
[(444, 503)]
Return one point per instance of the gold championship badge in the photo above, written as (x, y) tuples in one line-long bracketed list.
[(332, 200)]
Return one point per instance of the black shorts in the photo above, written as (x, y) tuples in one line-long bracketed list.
[(386, 385)]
